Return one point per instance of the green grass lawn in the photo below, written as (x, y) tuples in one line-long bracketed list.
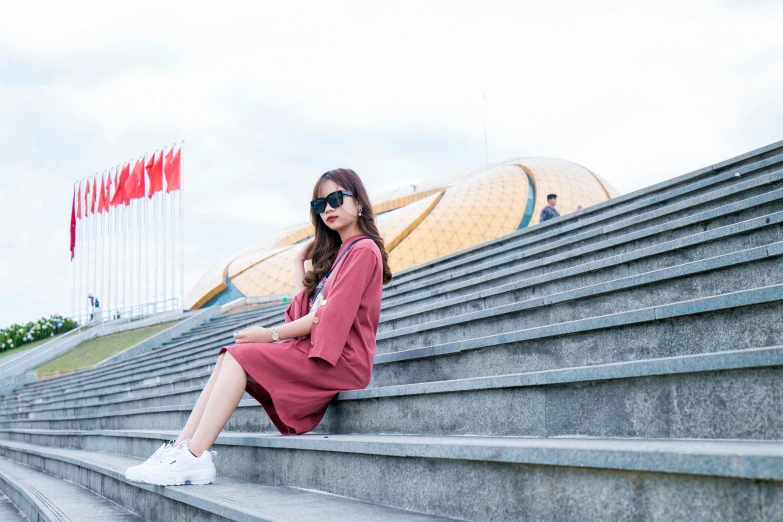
[(33, 344), (95, 350)]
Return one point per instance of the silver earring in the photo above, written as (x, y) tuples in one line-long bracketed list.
[(360, 211)]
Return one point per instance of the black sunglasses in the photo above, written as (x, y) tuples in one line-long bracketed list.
[(335, 199)]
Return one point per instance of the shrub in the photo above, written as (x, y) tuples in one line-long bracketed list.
[(20, 334)]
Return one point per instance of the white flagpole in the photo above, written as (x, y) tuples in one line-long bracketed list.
[(173, 249), (130, 254), (80, 236), (95, 245), (108, 237), (165, 240), (83, 263), (147, 256), (155, 224), (117, 246), (124, 259), (103, 248), (173, 215), (99, 255), (138, 251), (73, 262), (181, 227), (138, 215)]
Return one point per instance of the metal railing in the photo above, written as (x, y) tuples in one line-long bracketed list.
[(97, 318)]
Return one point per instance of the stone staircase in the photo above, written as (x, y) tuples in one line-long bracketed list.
[(625, 363)]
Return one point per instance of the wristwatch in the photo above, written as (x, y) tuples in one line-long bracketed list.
[(275, 335)]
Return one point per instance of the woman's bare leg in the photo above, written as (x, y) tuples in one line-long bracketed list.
[(225, 396), (201, 403)]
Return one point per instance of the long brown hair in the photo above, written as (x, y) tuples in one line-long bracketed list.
[(327, 242)]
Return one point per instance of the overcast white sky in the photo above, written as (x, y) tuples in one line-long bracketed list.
[(268, 95)]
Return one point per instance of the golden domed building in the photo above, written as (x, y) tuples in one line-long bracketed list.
[(418, 223)]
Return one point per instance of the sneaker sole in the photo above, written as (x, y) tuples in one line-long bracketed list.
[(190, 480)]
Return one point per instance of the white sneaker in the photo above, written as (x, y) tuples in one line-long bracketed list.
[(161, 454), (180, 468)]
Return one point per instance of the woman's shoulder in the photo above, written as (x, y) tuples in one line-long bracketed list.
[(367, 244)]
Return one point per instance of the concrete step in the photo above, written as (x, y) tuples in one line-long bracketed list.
[(35, 390), (590, 246), (616, 209), (675, 397), (41, 496), (109, 372), (459, 476), (741, 320), (488, 299), (226, 499), (737, 236), (693, 281), (598, 295), (9, 512)]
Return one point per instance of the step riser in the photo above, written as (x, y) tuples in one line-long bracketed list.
[(123, 367), (594, 301), (736, 404), (21, 502), (185, 370), (384, 328), (760, 273), (757, 274), (99, 378), (745, 327), (148, 504), (565, 277), (71, 410), (185, 366), (740, 328), (458, 488), (595, 249), (135, 385), (91, 400)]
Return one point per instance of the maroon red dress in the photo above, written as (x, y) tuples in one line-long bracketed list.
[(295, 379)]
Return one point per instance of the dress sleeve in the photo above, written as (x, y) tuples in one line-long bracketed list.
[(298, 307), (332, 321)]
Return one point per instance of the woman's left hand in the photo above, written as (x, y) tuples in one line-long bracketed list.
[(254, 334)]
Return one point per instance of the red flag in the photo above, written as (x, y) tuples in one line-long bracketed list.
[(107, 203), (92, 202), (141, 188), (132, 183), (119, 192), (116, 199), (87, 199), (171, 167), (102, 197), (155, 171), (73, 225), (79, 202)]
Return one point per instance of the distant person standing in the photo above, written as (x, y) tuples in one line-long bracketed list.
[(96, 307), (549, 211)]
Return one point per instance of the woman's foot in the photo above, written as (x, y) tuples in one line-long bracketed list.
[(132, 473), (182, 467)]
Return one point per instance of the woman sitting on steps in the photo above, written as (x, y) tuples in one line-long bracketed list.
[(326, 345)]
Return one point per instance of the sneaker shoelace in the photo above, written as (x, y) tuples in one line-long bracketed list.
[(182, 446), (159, 452)]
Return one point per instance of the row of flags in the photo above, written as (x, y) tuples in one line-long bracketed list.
[(145, 178)]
